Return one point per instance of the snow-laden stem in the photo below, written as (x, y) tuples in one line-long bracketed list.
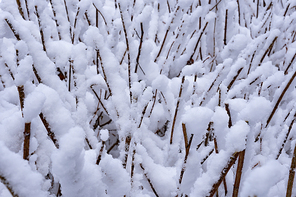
[(280, 98), (27, 134), (176, 109), (291, 175), (224, 172), (8, 186), (238, 173), (128, 54)]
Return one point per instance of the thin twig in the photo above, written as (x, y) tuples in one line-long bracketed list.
[(234, 78), (224, 172), (140, 48), (100, 101), (291, 175), (238, 173), (198, 40), (286, 137), (280, 99), (8, 186), (143, 113), (126, 147), (267, 50), (27, 134), (225, 28), (229, 115), (100, 153), (40, 28), (286, 71), (176, 110), (224, 180), (13, 29), (149, 181), (19, 5)]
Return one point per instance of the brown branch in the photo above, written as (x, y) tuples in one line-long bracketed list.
[(113, 145), (185, 138), (19, 5), (229, 115), (204, 159), (224, 172), (27, 134), (238, 10), (40, 29), (198, 40), (215, 6), (21, 97), (257, 11), (50, 134), (139, 49), (234, 78), (162, 44), (267, 50), (185, 159), (55, 19), (149, 181), (13, 30), (8, 186), (36, 74), (224, 180), (280, 99), (286, 71), (291, 175), (128, 55), (100, 153), (225, 28), (101, 16), (100, 101), (238, 173), (143, 113), (153, 104), (127, 146), (286, 137), (74, 26), (176, 110), (67, 13), (133, 162), (104, 73)]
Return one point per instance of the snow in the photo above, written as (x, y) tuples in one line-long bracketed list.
[(104, 134), (33, 104), (19, 175), (236, 137)]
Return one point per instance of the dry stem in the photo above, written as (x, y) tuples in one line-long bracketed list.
[(223, 174), (291, 175), (176, 110)]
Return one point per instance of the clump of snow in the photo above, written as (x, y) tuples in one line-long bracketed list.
[(33, 105), (104, 134), (261, 179), (196, 120), (236, 138), (19, 175)]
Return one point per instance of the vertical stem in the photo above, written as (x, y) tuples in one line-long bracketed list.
[(128, 54), (27, 134), (41, 31), (238, 173), (291, 175), (176, 110), (257, 11), (225, 28), (238, 10)]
